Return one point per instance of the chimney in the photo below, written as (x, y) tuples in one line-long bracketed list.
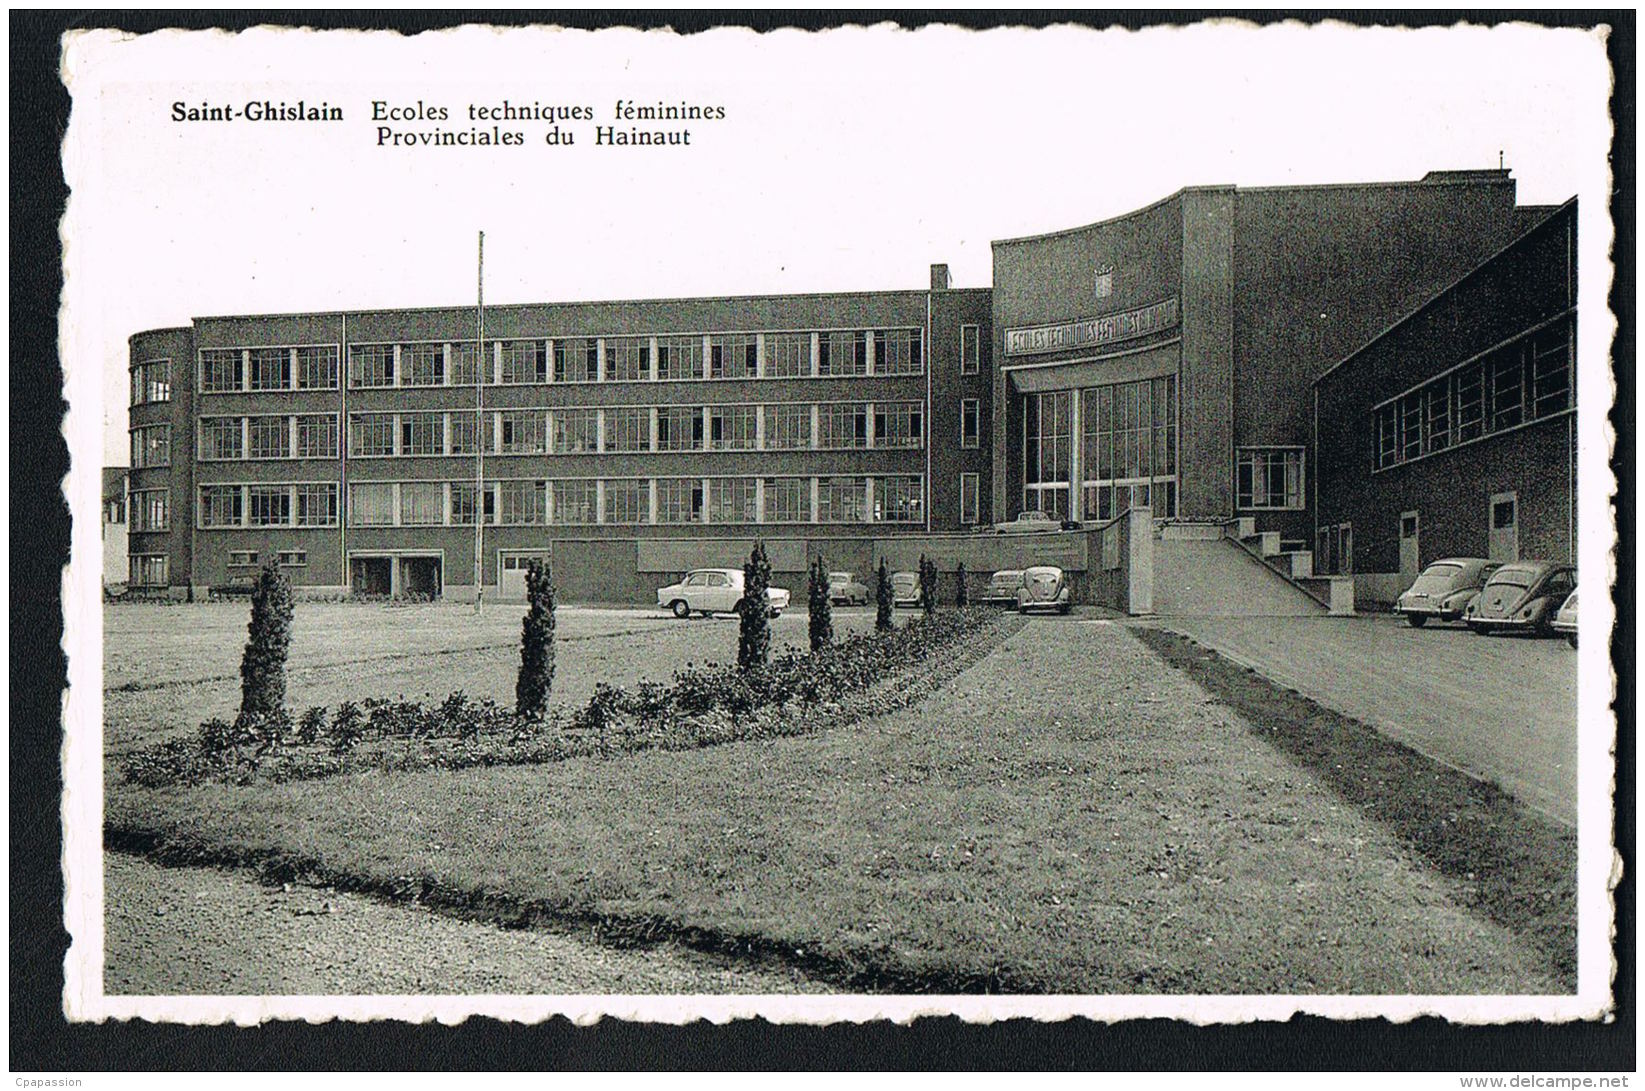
[(939, 278)]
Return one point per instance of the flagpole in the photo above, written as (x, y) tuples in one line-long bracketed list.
[(479, 430)]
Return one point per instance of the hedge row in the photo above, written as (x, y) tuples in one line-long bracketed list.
[(793, 694)]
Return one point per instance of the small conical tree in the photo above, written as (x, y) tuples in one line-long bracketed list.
[(268, 639), (822, 610), (536, 676), (882, 600), (928, 584), (961, 598), (754, 636)]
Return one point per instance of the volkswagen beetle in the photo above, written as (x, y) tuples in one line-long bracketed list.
[(1043, 587), (1522, 596)]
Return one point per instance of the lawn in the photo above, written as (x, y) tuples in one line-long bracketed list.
[(1069, 815), (166, 668)]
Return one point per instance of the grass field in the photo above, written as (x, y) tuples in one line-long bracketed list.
[(1071, 814), (168, 668)]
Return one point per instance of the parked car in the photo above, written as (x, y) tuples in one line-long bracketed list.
[(1002, 587), (713, 591), (1444, 590), (905, 589), (1565, 619), (1042, 587), (843, 589), (1523, 596), (1029, 522)]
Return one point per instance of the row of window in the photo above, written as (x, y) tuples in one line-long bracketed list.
[(1528, 380), (308, 435), (151, 382), (575, 360), (892, 498), (288, 558)]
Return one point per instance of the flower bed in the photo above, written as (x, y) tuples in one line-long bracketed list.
[(863, 675)]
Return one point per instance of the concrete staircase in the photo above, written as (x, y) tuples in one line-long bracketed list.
[(1228, 570)]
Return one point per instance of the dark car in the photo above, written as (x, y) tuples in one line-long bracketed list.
[(1002, 587), (1444, 590), (1522, 596)]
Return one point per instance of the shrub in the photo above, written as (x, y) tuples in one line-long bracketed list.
[(961, 599), (928, 585), (882, 599), (268, 639), (822, 610), (754, 636), (536, 676)]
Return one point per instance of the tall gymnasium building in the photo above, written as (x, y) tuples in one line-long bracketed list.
[(1163, 359)]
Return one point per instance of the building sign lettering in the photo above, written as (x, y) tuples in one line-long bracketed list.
[(1025, 340)]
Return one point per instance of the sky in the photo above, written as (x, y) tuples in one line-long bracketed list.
[(846, 160)]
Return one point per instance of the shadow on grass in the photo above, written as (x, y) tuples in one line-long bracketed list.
[(1506, 861)]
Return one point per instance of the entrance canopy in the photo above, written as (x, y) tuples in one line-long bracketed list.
[(1151, 363)]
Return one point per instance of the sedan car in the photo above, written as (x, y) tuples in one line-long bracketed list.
[(905, 589), (1042, 587), (713, 591), (1444, 590), (1029, 522), (844, 590), (1002, 587), (1565, 620), (1521, 596)]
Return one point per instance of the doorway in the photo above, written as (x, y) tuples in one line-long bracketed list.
[(371, 575), (420, 577), (1410, 553), (1504, 533)]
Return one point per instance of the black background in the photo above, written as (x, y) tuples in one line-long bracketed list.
[(42, 1040)]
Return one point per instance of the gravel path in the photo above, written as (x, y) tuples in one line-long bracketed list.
[(176, 931)]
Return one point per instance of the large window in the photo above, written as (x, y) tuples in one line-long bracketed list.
[(899, 499), (317, 436), (1516, 384), (680, 428), (464, 361), (269, 437), (970, 349), (221, 370), (150, 570), (1128, 452), (842, 352), (575, 430), (576, 360), (1048, 452), (270, 369), (150, 510), (220, 438), (680, 500), (576, 501), (842, 500), (970, 498), (270, 505), (221, 505), (899, 424), (317, 367), (788, 427), (317, 505), (733, 500), (524, 362), (732, 427), (627, 359), (151, 382), (371, 504), (628, 429), (970, 422), (680, 358), (898, 352), (422, 433), (842, 424), (151, 446), (422, 503), (370, 365), (464, 429), (523, 432), (732, 356), (787, 355), (521, 502), (423, 365), (627, 500), (371, 435), (1269, 477), (787, 499)]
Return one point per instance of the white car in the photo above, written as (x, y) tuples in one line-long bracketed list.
[(1029, 522), (713, 591)]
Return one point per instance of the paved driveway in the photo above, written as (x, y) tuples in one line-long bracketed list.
[(1501, 707)]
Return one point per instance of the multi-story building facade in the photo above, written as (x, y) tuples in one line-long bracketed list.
[(1163, 359), (1459, 423)]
